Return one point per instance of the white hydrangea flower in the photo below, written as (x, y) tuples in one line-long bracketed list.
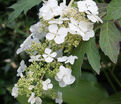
[(27, 43), (57, 34), (37, 31), (31, 87), (61, 19), (31, 99), (93, 17), (15, 91), (64, 76), (89, 7), (64, 8), (21, 69), (62, 59), (59, 100), (71, 59), (49, 55), (58, 21), (83, 28), (38, 100), (50, 9), (30, 73), (35, 58), (47, 84), (34, 100)]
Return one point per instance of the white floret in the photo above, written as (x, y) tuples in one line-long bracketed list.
[(64, 76), (59, 100), (49, 55), (57, 34), (21, 69), (47, 84), (15, 91)]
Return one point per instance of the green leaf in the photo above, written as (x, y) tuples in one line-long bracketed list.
[(93, 55), (21, 99), (91, 50), (109, 40), (22, 6), (114, 99), (114, 10), (88, 77), (102, 7), (2, 82), (2, 91), (85, 92), (79, 52)]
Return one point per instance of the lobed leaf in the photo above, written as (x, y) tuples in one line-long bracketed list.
[(22, 6), (79, 52), (114, 10), (109, 40), (91, 50), (93, 55)]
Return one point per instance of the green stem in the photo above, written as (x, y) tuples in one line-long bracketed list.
[(70, 3), (109, 80), (113, 68), (42, 77), (115, 78)]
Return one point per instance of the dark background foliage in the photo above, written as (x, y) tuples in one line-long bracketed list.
[(12, 34)]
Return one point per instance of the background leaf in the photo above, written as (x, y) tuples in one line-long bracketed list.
[(22, 6), (114, 99), (86, 91), (114, 10), (109, 40)]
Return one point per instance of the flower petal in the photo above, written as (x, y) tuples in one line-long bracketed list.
[(45, 56), (50, 86), (53, 54), (62, 59), (48, 80), (50, 36), (53, 29), (38, 100), (82, 6), (49, 59), (48, 51), (59, 39), (62, 84), (63, 31)]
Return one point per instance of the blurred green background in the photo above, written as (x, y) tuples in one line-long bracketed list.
[(12, 34)]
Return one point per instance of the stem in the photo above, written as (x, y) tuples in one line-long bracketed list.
[(113, 68), (109, 80), (42, 77), (115, 78), (70, 3)]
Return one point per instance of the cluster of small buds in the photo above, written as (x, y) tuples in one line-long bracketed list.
[(59, 24)]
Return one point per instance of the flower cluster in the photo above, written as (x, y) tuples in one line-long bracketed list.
[(61, 29)]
